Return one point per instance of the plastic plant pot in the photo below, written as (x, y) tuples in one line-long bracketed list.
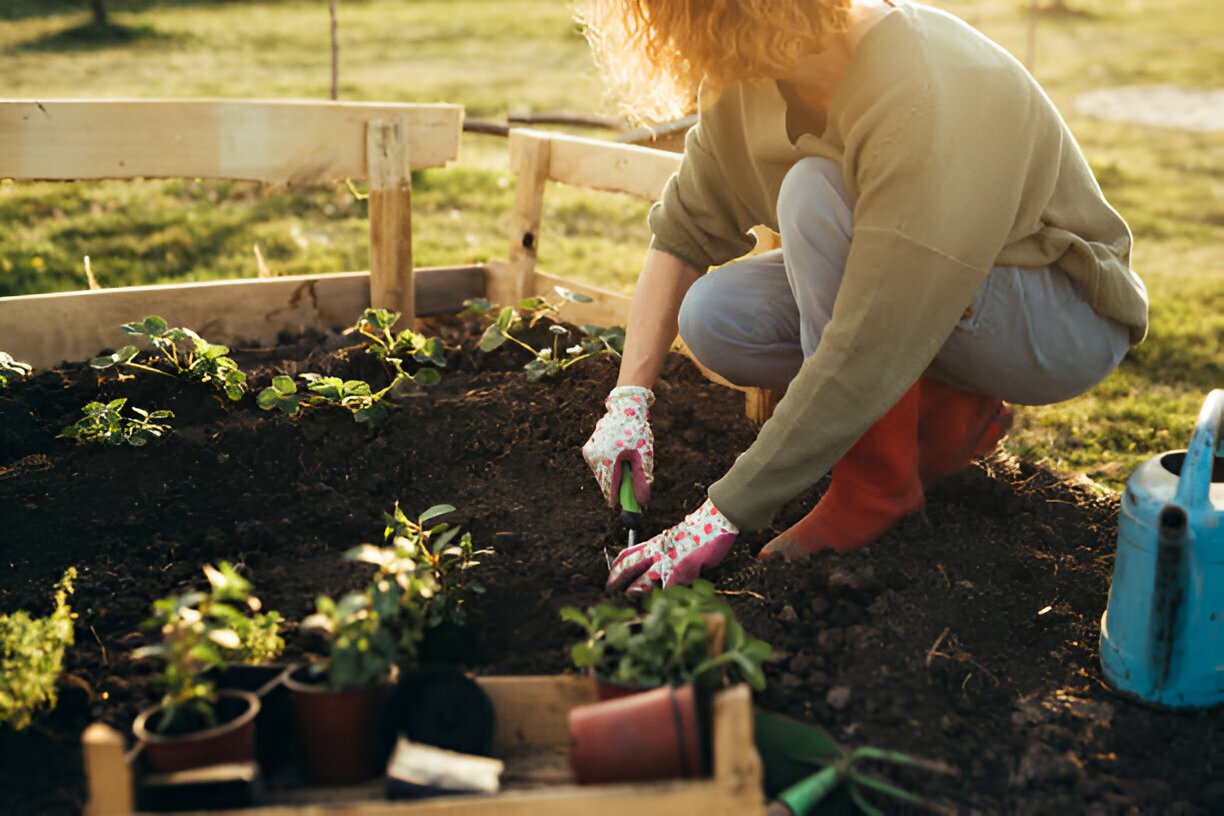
[(650, 735), (337, 731), (231, 740)]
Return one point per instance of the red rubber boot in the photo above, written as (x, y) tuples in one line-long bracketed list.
[(955, 427), (874, 486)]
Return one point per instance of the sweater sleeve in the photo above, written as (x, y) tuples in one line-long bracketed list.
[(939, 174), (701, 219)]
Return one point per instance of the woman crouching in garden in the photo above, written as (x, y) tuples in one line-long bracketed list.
[(945, 248)]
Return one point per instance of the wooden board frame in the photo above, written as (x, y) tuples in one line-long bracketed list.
[(538, 157), (531, 713), (279, 142)]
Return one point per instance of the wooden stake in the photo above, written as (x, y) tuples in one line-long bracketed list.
[(335, 53), (108, 774), (89, 276), (530, 157), (391, 282)]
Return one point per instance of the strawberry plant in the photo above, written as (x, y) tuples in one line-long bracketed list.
[(553, 359), (204, 630), (12, 368), (446, 559), (190, 356), (32, 657), (103, 423), (375, 325), (355, 396), (667, 643)]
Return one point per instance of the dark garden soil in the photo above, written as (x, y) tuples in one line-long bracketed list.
[(968, 634)]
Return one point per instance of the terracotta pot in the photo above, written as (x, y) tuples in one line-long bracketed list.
[(650, 735), (606, 689), (337, 731), (233, 740)]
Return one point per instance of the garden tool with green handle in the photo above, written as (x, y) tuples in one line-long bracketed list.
[(804, 767), (630, 510)]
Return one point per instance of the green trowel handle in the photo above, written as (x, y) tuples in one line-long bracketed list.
[(803, 797), (631, 513)]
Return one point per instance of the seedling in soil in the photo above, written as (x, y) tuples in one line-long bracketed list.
[(446, 559), (375, 325), (667, 643), (103, 423), (32, 657), (202, 631), (12, 368), (355, 396), (552, 360), (190, 356), (810, 766)]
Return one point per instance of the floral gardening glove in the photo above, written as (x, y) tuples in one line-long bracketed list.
[(623, 436), (676, 555)]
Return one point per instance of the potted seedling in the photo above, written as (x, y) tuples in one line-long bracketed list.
[(32, 657), (195, 724), (669, 642), (673, 649)]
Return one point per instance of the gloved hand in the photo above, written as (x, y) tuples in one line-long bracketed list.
[(676, 555), (623, 437)]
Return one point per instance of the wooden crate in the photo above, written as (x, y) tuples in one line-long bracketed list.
[(298, 143), (531, 735)]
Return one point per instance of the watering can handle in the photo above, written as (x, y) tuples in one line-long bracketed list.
[(1194, 485)]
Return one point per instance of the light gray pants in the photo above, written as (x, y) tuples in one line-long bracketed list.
[(1028, 337)]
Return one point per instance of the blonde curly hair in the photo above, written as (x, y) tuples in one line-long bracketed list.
[(654, 54)]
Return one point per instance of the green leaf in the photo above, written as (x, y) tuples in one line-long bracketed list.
[(585, 655), (493, 338), (434, 512), (574, 297), (427, 377), (154, 325), (475, 307), (284, 385)]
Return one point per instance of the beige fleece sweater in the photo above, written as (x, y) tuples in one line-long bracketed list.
[(957, 162)]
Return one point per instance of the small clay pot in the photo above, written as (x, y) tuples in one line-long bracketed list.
[(649, 735), (606, 689), (337, 731), (232, 740)]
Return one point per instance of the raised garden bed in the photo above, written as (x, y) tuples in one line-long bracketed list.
[(967, 634)]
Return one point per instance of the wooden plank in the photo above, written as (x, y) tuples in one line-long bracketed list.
[(530, 160), (736, 762), (616, 168), (391, 285), (277, 141), (534, 711), (760, 403), (108, 775), (44, 330)]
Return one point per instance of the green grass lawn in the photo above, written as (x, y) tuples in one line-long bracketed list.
[(500, 56)]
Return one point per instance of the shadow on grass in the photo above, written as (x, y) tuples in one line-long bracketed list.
[(93, 37), (24, 9)]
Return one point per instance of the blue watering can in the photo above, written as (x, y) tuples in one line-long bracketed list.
[(1162, 635)]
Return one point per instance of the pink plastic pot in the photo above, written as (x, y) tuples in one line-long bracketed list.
[(649, 735)]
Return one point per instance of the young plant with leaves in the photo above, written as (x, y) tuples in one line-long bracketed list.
[(190, 356), (362, 647), (375, 325), (12, 368), (668, 642), (201, 631), (444, 554), (355, 396), (103, 423), (553, 359), (32, 657)]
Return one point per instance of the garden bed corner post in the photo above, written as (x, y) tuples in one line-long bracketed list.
[(109, 777), (530, 160), (391, 277)]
